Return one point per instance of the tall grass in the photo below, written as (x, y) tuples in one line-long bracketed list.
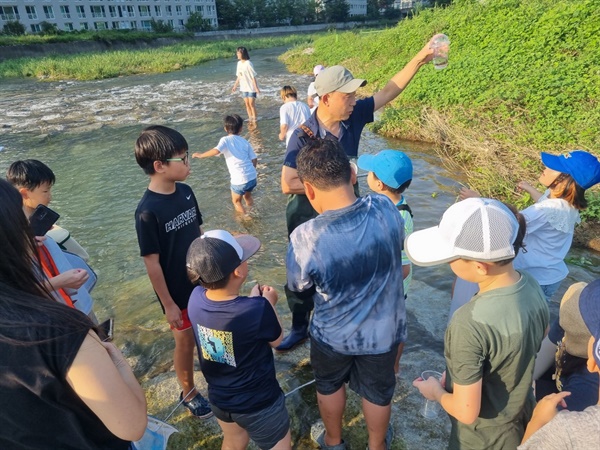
[(95, 65), (524, 76)]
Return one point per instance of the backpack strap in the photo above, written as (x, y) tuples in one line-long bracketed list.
[(405, 207)]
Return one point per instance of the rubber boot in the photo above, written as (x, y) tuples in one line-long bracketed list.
[(299, 332)]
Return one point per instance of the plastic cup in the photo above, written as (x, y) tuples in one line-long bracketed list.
[(441, 47), (430, 408)]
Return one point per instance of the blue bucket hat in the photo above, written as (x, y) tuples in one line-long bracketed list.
[(589, 306), (582, 166), (392, 167)]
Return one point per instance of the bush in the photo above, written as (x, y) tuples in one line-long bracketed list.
[(49, 29), (160, 26), (197, 23), (13, 28)]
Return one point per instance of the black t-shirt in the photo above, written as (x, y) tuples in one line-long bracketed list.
[(167, 225), (38, 408), (233, 344)]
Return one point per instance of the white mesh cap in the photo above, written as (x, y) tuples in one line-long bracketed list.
[(479, 229)]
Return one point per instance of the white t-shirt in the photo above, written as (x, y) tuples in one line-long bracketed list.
[(312, 92), (245, 70), (293, 114), (550, 226), (238, 155)]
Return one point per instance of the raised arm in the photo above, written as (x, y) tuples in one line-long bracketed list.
[(533, 192), (206, 154), (102, 378), (399, 81)]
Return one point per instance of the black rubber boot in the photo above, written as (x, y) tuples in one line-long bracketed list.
[(299, 332)]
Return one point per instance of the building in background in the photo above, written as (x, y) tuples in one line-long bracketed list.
[(357, 7), (96, 15)]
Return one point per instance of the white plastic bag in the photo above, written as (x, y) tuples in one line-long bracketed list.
[(156, 435)]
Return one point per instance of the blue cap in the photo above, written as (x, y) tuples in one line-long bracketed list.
[(589, 307), (582, 166), (392, 167)]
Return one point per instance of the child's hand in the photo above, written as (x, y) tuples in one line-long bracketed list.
[(233, 88), (196, 155), (545, 409), (72, 279), (428, 388), (465, 193), (524, 186), (270, 294), (39, 240), (256, 291), (173, 315)]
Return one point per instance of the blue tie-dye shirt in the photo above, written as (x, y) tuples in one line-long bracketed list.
[(352, 256)]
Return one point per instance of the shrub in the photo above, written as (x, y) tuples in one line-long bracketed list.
[(13, 28)]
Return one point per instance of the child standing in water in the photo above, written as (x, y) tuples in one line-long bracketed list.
[(246, 79), (241, 162)]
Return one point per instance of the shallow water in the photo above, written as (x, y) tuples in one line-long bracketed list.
[(85, 131)]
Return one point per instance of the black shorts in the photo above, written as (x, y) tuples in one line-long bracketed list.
[(370, 376), (266, 427)]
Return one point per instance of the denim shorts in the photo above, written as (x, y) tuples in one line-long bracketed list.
[(241, 189), (550, 289), (370, 376), (265, 427), (248, 94)]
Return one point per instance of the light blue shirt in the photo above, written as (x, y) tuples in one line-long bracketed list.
[(352, 256)]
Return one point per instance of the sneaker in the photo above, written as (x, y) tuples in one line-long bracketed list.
[(317, 434), (198, 406)]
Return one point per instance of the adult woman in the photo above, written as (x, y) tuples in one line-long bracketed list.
[(61, 387), (246, 79)]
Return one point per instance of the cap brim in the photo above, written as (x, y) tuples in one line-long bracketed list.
[(553, 162), (351, 86), (366, 162), (249, 244), (428, 248)]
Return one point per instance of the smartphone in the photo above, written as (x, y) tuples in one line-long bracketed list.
[(42, 220), (105, 330)]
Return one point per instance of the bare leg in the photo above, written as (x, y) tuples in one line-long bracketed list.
[(237, 202), (248, 107), (234, 436), (331, 408), (398, 356), (251, 108), (285, 443), (249, 200), (377, 419), (183, 360)]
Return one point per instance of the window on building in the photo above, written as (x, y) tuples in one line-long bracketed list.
[(169, 10), (48, 12), (170, 23), (157, 11), (178, 10), (200, 9), (188, 10), (69, 26), (64, 10), (133, 25), (84, 26), (146, 25), (80, 12), (101, 25), (36, 28), (9, 13), (144, 11), (98, 12), (115, 25), (112, 12), (31, 13)]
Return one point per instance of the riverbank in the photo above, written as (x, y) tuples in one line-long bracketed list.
[(522, 78)]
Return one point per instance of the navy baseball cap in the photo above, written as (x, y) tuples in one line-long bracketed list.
[(392, 167), (589, 306), (582, 166)]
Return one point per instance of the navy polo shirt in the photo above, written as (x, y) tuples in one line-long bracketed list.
[(350, 131)]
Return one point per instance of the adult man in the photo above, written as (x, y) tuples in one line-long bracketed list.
[(349, 259), (339, 116)]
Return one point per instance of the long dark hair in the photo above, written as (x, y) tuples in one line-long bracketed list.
[(244, 53), (25, 304)]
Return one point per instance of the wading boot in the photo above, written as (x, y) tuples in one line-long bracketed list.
[(299, 332)]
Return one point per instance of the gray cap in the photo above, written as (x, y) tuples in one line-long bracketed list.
[(337, 78), (217, 253)]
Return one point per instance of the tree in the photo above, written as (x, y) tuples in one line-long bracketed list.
[(49, 28), (228, 15), (197, 23), (160, 26), (13, 28), (336, 11)]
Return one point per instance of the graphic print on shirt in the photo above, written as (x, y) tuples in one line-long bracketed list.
[(216, 345), (183, 219)]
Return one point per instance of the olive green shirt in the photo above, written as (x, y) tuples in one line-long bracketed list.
[(495, 338)]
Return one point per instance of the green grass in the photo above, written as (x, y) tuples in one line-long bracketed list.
[(78, 36), (98, 65), (523, 77)]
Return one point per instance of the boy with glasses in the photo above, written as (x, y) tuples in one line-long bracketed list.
[(167, 221)]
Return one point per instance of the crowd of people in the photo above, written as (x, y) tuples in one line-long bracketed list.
[(64, 386)]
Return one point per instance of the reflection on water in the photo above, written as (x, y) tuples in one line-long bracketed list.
[(85, 131)]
